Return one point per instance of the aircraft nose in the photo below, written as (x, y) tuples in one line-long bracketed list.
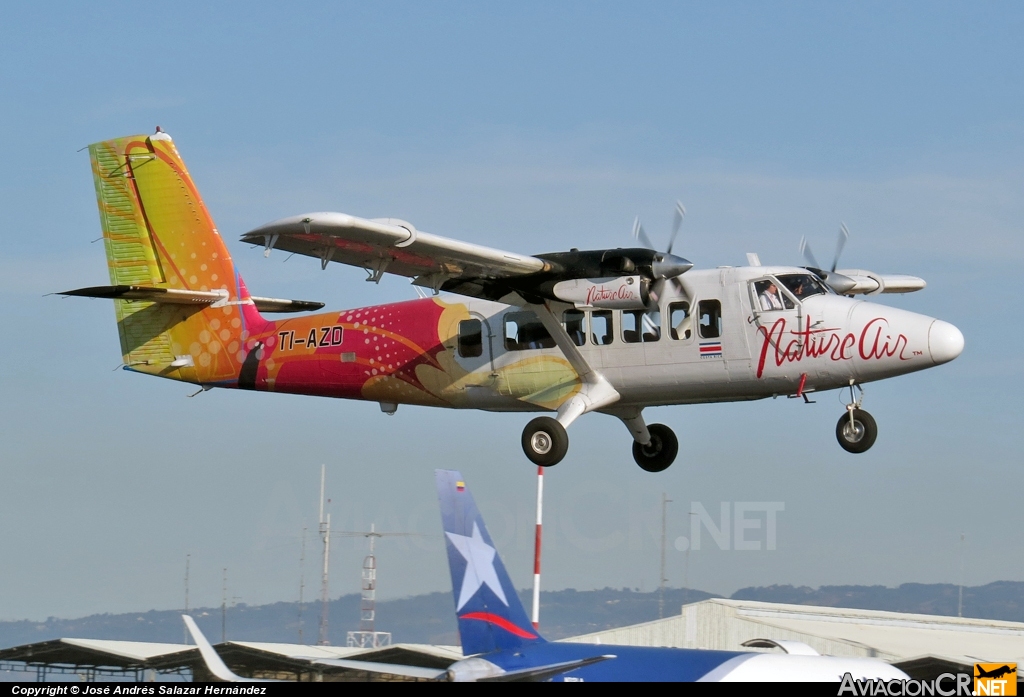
[(945, 342)]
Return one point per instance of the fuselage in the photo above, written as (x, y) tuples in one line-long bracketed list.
[(712, 339)]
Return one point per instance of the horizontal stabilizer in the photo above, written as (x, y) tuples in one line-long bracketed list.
[(149, 293), (174, 296), (278, 305)]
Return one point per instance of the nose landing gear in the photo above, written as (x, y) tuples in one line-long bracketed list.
[(660, 452), (856, 430)]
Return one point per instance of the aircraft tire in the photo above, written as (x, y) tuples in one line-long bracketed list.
[(545, 441), (859, 436), (661, 452)]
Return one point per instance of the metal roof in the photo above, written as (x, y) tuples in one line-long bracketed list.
[(897, 637), (98, 653), (243, 657)]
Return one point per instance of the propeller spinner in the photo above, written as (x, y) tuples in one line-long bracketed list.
[(836, 281), (666, 265)]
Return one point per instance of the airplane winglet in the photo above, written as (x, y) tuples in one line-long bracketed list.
[(213, 661)]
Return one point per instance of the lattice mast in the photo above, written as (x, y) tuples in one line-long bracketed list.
[(367, 635)]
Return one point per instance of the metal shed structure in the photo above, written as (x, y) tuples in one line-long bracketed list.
[(921, 645), (132, 660)]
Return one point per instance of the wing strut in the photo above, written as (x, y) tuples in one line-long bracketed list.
[(595, 391)]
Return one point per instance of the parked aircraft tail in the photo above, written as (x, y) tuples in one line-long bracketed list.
[(490, 615), (182, 310)]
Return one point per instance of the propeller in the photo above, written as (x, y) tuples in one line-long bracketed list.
[(836, 281), (666, 266)]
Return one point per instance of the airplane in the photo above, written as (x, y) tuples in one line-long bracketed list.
[(613, 331), (995, 672), (499, 644)]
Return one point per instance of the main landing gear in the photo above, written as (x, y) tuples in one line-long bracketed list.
[(856, 430), (655, 447), (545, 441)]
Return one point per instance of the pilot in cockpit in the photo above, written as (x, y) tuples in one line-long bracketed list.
[(769, 297)]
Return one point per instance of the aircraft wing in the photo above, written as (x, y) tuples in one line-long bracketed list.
[(542, 673), (383, 668), (389, 245)]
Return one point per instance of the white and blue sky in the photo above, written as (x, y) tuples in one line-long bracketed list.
[(532, 127)]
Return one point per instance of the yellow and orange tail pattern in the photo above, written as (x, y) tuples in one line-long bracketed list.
[(159, 234)]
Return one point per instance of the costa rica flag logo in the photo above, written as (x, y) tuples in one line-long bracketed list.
[(711, 349)]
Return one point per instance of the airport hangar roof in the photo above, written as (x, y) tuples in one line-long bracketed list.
[(113, 658), (918, 644)]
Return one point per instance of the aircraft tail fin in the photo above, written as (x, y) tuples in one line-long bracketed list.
[(159, 237), (490, 615)]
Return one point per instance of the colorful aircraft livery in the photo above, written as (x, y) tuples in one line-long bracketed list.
[(614, 330)]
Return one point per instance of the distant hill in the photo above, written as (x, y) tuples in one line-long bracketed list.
[(429, 618), (1002, 600)]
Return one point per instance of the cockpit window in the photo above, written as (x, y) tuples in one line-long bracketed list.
[(769, 297), (803, 285)]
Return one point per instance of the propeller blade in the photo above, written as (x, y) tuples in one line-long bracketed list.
[(805, 249), (639, 234), (654, 294), (677, 221), (844, 235)]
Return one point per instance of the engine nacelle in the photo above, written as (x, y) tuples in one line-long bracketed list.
[(620, 293), (472, 669)]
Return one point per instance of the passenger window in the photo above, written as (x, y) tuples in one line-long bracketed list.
[(471, 338), (679, 320), (601, 327), (575, 323), (523, 330), (639, 326), (710, 319)]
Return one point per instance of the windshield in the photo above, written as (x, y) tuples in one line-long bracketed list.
[(803, 285)]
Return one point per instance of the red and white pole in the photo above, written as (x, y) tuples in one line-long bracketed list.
[(536, 549)]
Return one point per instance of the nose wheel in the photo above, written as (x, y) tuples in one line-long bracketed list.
[(660, 452), (545, 441), (856, 429)]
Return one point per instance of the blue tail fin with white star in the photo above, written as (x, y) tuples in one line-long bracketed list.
[(490, 615)]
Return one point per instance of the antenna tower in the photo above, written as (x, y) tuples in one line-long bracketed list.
[(665, 500), (325, 533), (188, 558), (302, 582), (224, 609), (367, 636)]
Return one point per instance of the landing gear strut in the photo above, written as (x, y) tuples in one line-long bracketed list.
[(545, 441), (856, 430)]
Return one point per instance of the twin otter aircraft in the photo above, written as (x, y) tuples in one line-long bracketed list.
[(612, 330)]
